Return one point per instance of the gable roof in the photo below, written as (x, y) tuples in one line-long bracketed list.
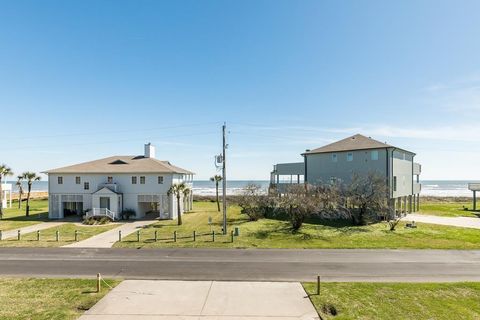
[(356, 142), (122, 164)]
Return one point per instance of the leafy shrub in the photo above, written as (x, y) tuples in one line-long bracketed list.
[(128, 213)]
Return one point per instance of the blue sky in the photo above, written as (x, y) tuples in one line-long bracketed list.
[(80, 80)]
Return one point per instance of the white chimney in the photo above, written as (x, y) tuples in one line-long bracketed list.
[(149, 150)]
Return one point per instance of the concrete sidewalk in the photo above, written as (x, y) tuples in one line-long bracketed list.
[(9, 234), (465, 222), (108, 238), (188, 300)]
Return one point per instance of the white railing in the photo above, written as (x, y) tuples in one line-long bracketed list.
[(100, 212)]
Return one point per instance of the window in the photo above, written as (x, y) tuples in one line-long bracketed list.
[(350, 156), (374, 155), (160, 180), (86, 185), (394, 183), (60, 180), (78, 180), (134, 180), (334, 157), (142, 180), (109, 179)]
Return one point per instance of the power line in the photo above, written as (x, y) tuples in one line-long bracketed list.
[(111, 131)]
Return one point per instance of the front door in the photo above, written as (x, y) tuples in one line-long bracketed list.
[(105, 203)]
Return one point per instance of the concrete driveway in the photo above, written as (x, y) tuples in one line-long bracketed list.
[(188, 300), (465, 222)]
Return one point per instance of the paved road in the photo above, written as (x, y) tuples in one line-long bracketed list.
[(465, 222), (244, 265)]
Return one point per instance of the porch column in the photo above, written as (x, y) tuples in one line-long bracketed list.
[(474, 200), (414, 203), (418, 201), (410, 204), (160, 206)]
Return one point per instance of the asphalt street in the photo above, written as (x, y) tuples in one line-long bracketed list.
[(244, 264)]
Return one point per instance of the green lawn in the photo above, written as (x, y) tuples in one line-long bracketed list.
[(48, 236), (271, 233), (48, 299), (15, 218), (447, 209), (419, 301)]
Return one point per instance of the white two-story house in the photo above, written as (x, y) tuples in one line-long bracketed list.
[(117, 183)]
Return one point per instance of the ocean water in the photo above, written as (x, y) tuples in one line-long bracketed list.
[(438, 188)]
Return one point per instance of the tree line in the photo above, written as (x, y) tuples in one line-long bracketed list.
[(364, 200), (28, 177)]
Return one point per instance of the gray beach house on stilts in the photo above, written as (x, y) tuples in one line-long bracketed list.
[(358, 154)]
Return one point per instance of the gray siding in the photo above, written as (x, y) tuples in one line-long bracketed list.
[(321, 168)]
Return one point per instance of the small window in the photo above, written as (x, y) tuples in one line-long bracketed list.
[(350, 156), (86, 185), (60, 180), (374, 155), (394, 183), (109, 179), (160, 179), (142, 180), (78, 180), (334, 157), (404, 156), (134, 180)]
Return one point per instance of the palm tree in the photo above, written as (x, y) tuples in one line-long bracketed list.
[(177, 190), (20, 190), (30, 177), (217, 178), (4, 171)]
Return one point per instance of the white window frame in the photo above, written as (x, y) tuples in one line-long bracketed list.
[(142, 179), (350, 156), (374, 155), (109, 180), (160, 180), (334, 157), (86, 185), (78, 180), (134, 180), (60, 180)]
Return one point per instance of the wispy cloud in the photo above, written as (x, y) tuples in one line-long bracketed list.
[(461, 95)]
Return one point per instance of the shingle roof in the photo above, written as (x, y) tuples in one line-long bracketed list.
[(122, 164), (356, 142)]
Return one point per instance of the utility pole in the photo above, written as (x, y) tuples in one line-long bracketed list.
[(224, 179)]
